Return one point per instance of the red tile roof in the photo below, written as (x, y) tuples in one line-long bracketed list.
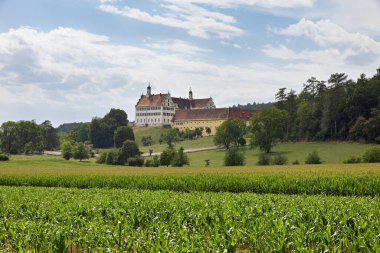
[(213, 114), (152, 100)]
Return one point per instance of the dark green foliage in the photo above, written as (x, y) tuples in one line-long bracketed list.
[(208, 131), (167, 156), (180, 159), (148, 163), (122, 134), (22, 137), (67, 150), (296, 162), (170, 137), (313, 158), (50, 136), (102, 129), (156, 161), (112, 157), (255, 106), (146, 140), (234, 157), (81, 151), (264, 159), (129, 149), (67, 127), (372, 155), (135, 161), (353, 159), (230, 132), (4, 157), (267, 127), (279, 159), (102, 158)]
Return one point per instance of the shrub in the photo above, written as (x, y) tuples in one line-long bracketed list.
[(180, 158), (4, 157), (372, 155), (353, 159), (264, 159), (167, 156), (67, 150), (112, 157), (102, 158), (148, 163), (135, 161), (234, 157), (280, 159), (313, 158), (296, 162), (156, 161), (129, 149), (81, 151)]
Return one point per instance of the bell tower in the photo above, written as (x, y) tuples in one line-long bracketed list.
[(190, 94), (149, 90)]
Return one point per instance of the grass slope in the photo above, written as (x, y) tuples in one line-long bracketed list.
[(330, 153)]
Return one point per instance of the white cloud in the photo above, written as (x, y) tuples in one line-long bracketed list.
[(178, 46), (195, 18)]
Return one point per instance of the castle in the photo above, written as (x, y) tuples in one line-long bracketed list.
[(159, 109)]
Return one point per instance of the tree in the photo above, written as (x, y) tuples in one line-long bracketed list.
[(167, 156), (170, 137), (267, 127), (208, 131), (129, 149), (234, 157), (123, 133), (230, 132), (50, 135), (10, 143), (146, 140), (180, 158), (81, 151), (67, 150)]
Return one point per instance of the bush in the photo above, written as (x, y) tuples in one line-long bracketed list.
[(148, 163), (156, 161), (280, 159), (313, 158), (372, 155), (135, 161), (67, 150), (112, 157), (234, 157), (264, 159), (81, 151), (102, 158), (167, 156), (353, 159), (129, 149), (296, 162), (180, 158), (4, 157)]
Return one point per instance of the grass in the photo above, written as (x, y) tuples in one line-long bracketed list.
[(330, 153)]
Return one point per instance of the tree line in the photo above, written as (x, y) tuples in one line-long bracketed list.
[(336, 109)]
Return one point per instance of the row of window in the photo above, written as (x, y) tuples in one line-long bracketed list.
[(148, 108), (151, 120), (149, 114), (168, 114), (168, 108)]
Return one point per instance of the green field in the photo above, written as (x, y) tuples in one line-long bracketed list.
[(72, 206), (72, 220)]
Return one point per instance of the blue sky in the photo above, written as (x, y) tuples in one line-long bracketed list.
[(71, 60)]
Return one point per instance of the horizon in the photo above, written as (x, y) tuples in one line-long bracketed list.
[(70, 61)]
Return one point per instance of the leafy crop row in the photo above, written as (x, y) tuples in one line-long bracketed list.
[(100, 220), (339, 185)]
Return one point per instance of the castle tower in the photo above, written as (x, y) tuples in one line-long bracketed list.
[(149, 90), (190, 94)]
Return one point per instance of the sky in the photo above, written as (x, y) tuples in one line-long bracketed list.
[(72, 60)]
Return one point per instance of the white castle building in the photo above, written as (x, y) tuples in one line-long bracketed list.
[(159, 109)]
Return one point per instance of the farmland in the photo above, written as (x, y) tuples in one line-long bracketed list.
[(72, 206), (43, 219)]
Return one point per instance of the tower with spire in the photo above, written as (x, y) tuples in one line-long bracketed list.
[(149, 90), (190, 94)]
